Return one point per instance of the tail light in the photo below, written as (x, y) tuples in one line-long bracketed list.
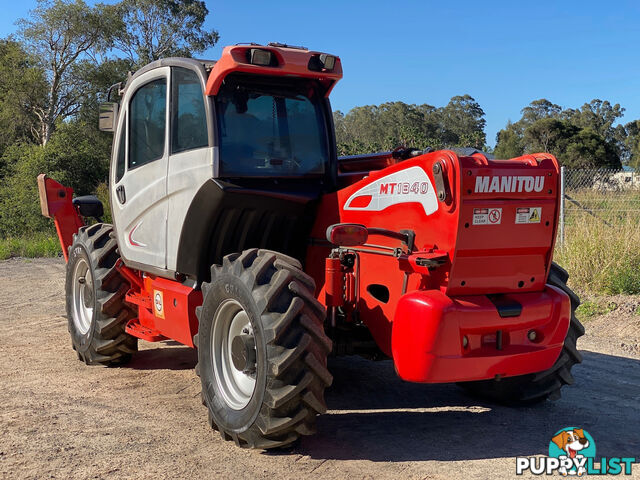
[(347, 234)]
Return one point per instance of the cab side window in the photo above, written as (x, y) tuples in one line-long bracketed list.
[(121, 153), (148, 110), (189, 122)]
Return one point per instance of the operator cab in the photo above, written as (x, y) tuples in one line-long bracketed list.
[(194, 140)]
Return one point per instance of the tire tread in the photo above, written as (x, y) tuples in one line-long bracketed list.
[(110, 345), (293, 326)]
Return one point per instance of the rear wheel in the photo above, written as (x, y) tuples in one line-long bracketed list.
[(537, 387), (262, 350), (95, 292)]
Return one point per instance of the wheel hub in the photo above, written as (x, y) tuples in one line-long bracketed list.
[(86, 292), (243, 353), (233, 354)]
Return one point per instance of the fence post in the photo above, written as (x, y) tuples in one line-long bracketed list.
[(561, 226)]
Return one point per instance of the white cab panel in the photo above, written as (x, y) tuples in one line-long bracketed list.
[(188, 171), (141, 219)]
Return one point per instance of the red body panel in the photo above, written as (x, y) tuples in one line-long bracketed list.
[(429, 328), (166, 308), (56, 203), (174, 309)]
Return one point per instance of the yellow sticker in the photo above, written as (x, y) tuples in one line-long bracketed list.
[(528, 215), (535, 215)]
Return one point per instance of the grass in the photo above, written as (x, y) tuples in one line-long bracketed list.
[(600, 258), (37, 245), (595, 307)]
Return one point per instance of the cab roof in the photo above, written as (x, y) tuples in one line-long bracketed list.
[(286, 60)]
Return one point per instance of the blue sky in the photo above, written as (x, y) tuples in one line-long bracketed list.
[(504, 54)]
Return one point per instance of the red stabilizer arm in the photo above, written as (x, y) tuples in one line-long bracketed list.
[(56, 202)]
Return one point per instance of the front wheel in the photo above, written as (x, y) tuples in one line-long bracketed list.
[(95, 291), (262, 350), (537, 387)]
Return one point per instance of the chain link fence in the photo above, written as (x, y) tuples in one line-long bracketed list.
[(601, 196)]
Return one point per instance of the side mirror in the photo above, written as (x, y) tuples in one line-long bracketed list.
[(108, 117), (89, 206)]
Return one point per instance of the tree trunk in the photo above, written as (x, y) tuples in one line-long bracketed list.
[(48, 119)]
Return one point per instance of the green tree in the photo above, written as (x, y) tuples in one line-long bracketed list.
[(600, 116), (548, 135), (462, 122), (632, 143), (96, 80), (393, 124), (580, 138), (573, 146), (22, 87), (154, 29), (588, 149), (60, 33), (19, 206), (509, 142), (76, 156), (539, 109), (597, 115)]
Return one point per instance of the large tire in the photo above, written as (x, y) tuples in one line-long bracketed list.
[(265, 298), (95, 291), (538, 387)]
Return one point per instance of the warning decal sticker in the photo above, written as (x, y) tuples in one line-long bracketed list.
[(487, 216), (158, 303), (528, 214)]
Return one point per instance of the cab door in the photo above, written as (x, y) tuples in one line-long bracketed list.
[(191, 156), (139, 179)]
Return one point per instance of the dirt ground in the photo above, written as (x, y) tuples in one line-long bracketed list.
[(62, 419)]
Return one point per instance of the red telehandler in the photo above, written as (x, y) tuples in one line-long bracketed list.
[(238, 231)]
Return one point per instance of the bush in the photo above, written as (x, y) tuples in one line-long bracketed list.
[(600, 258), (77, 156), (102, 192), (19, 204)]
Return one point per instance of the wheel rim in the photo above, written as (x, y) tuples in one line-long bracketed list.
[(236, 386), (82, 296)]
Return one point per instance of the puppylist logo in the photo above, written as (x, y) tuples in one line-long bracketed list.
[(572, 451)]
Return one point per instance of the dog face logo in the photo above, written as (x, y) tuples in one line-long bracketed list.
[(575, 444), (571, 441)]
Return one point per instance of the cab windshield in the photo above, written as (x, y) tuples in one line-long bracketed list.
[(269, 128)]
